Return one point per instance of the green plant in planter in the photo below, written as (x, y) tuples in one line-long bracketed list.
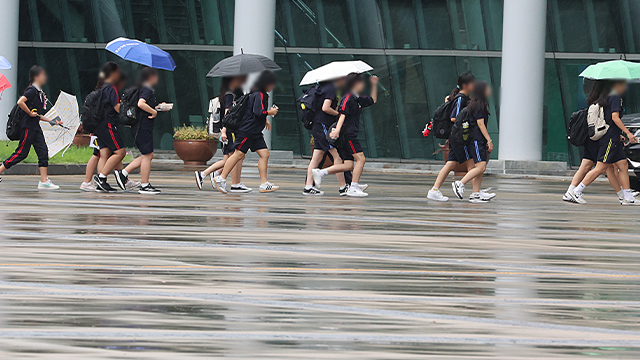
[(191, 133)]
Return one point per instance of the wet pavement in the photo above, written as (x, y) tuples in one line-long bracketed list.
[(200, 275)]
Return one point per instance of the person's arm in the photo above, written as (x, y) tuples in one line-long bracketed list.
[(374, 88), (22, 103), (327, 109), (618, 121), (485, 133), (336, 132), (456, 109), (142, 104)]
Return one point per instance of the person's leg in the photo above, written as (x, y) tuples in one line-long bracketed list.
[(103, 159), (337, 160), (613, 174), (236, 173), (263, 164), (478, 169), (592, 175), (113, 161), (92, 165), (135, 164), (358, 168), (316, 158), (216, 166), (21, 152), (585, 166), (145, 168), (231, 163), (40, 146)]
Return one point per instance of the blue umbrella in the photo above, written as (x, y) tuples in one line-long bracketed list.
[(142, 53), (4, 63)]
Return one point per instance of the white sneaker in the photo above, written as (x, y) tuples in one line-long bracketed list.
[(436, 195), (486, 194), (477, 198), (566, 197), (356, 192), (363, 187), (88, 187), (268, 187), (47, 185), (220, 184), (575, 197), (317, 177), (630, 202), (458, 189), (132, 185), (240, 189), (312, 191)]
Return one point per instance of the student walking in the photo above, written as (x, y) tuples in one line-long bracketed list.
[(608, 94), (142, 132), (230, 91), (249, 134), (346, 132), (326, 115), (479, 144), (457, 152), (33, 104)]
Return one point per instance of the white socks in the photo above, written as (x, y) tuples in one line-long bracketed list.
[(102, 176), (308, 187), (324, 172), (571, 187), (627, 194), (621, 194), (580, 188), (355, 185), (144, 185), (125, 172)]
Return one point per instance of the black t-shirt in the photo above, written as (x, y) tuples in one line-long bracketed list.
[(459, 104), (327, 92), (110, 99), (255, 118), (351, 106), (149, 95), (36, 100), (476, 115), (614, 104)]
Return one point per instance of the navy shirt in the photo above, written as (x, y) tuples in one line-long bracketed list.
[(351, 106), (255, 118), (476, 115), (458, 104), (614, 104), (36, 99), (110, 99), (327, 92), (149, 95)]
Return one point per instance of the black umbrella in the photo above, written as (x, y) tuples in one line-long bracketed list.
[(242, 64)]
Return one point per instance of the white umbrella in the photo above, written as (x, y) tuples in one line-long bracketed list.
[(61, 137), (335, 70)]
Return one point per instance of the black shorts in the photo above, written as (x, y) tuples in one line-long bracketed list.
[(477, 151), (108, 136), (228, 148), (144, 139), (96, 152), (253, 143), (611, 150), (319, 132), (458, 153), (591, 150), (348, 148)]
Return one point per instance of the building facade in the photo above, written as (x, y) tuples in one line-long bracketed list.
[(417, 47)]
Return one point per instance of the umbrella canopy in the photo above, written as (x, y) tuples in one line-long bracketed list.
[(243, 64), (4, 63), (4, 85), (60, 137), (142, 53), (334, 70), (612, 70)]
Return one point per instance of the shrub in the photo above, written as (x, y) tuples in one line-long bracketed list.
[(191, 133)]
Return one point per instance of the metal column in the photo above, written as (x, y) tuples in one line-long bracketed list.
[(9, 49)]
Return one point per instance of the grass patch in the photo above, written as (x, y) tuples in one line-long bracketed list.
[(73, 155)]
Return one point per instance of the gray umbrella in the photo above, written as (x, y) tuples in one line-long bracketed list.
[(243, 64)]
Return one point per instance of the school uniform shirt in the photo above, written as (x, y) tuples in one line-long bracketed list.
[(143, 130), (477, 134), (36, 99), (110, 98), (611, 147), (229, 99), (614, 105), (351, 107), (459, 103), (107, 132), (255, 119), (327, 92)]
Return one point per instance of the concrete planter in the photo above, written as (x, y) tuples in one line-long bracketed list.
[(195, 152)]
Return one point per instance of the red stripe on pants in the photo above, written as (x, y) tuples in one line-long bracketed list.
[(113, 137), (352, 147), (24, 140)]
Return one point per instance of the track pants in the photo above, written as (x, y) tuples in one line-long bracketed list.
[(30, 137)]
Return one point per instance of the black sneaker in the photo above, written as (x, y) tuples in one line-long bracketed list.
[(0, 178), (149, 189), (102, 185), (312, 191), (343, 190), (121, 180), (200, 179)]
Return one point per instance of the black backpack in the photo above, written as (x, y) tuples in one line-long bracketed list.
[(309, 104), (442, 119), (233, 119), (14, 124), (92, 112), (578, 128), (129, 111), (462, 129)]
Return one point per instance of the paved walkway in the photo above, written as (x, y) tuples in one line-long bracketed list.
[(200, 275)]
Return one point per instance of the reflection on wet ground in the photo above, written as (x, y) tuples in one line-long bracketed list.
[(199, 275)]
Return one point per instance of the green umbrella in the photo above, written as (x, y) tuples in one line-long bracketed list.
[(613, 70)]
